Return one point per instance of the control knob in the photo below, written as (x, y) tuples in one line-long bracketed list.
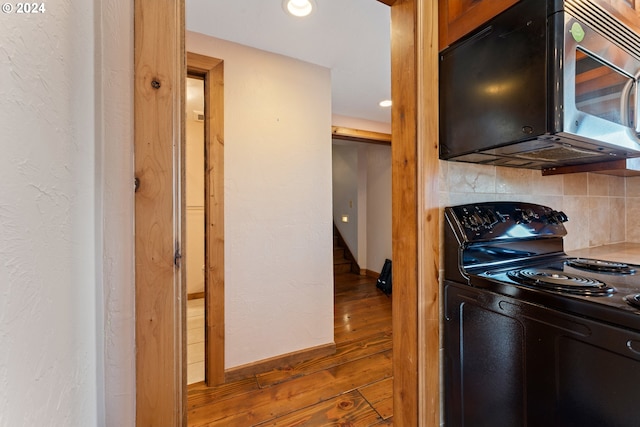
[(556, 217), (526, 216), (480, 219)]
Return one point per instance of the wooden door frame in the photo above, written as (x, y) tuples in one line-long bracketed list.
[(358, 135), (159, 112), (415, 213), (159, 86), (211, 70)]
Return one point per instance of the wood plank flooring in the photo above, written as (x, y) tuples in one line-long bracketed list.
[(195, 340), (352, 387)]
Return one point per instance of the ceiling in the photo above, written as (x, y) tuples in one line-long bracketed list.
[(350, 37)]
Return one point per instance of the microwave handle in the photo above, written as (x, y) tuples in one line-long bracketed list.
[(624, 103), (637, 109)]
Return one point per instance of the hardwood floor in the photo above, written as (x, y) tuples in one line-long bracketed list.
[(352, 387), (195, 340)]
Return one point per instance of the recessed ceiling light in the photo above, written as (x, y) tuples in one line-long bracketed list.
[(299, 7), (385, 103)]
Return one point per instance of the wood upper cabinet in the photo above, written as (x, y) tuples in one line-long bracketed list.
[(627, 11), (458, 17)]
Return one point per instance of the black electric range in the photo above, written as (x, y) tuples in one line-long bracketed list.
[(533, 336)]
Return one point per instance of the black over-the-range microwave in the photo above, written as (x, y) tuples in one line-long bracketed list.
[(546, 83)]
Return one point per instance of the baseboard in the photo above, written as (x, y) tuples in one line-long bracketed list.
[(195, 295), (282, 361)]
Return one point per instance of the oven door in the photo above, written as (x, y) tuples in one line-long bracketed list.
[(509, 362), (599, 86)]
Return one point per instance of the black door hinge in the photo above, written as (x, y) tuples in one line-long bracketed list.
[(177, 256)]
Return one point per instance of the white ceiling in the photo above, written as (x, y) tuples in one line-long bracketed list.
[(351, 37)]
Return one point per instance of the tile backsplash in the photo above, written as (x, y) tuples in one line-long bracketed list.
[(602, 209)]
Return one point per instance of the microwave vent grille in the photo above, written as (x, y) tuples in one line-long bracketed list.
[(556, 154)]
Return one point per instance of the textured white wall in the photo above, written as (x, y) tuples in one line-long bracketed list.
[(378, 206), (115, 202), (345, 193), (49, 368), (278, 244), (362, 207)]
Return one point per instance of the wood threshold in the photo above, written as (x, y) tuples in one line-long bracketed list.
[(289, 359)]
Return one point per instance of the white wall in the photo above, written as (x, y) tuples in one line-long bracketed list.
[(50, 303), (378, 206), (278, 240), (67, 326), (345, 193), (115, 201)]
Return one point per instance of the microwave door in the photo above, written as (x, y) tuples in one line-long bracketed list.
[(600, 93), (599, 101)]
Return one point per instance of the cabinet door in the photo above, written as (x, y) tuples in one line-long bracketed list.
[(458, 17), (628, 11)]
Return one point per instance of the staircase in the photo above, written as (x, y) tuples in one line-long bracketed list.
[(343, 260)]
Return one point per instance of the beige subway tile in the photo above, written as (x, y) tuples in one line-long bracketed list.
[(575, 184), (577, 210), (471, 178), (617, 186), (632, 186), (550, 185), (598, 184), (633, 219), (617, 220), (598, 221), (513, 180), (443, 175)]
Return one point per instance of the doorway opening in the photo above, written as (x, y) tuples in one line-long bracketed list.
[(194, 196), (415, 183), (362, 199), (204, 198)]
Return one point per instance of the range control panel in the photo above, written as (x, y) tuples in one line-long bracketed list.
[(505, 220)]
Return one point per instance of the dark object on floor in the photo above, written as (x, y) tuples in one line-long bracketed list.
[(384, 280)]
